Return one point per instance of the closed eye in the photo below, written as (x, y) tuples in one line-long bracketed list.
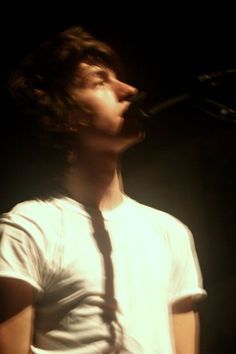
[(92, 76), (100, 78)]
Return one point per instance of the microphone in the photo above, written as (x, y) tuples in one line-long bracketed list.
[(141, 109), (199, 95), (215, 76)]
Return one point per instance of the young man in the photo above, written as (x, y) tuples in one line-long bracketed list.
[(85, 269)]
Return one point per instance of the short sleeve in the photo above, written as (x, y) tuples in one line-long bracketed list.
[(186, 276), (19, 257)]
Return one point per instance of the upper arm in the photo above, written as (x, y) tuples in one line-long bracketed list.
[(16, 316), (186, 326)]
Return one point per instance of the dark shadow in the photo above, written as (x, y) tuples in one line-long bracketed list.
[(22, 296), (103, 241)]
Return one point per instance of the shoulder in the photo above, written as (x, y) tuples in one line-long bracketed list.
[(165, 223), (33, 217), (32, 210)]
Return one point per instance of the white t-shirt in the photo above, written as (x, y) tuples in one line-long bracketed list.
[(50, 245)]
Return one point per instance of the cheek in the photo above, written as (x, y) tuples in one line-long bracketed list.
[(100, 111), (107, 122), (105, 116), (105, 105)]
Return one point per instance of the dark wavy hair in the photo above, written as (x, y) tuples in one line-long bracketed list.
[(42, 82), (40, 88)]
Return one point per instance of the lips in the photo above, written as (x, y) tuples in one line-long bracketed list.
[(131, 125), (124, 109)]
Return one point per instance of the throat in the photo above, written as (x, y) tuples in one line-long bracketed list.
[(95, 187)]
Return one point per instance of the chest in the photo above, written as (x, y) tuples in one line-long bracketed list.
[(140, 259)]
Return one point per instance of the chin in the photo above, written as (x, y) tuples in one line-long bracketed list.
[(130, 140)]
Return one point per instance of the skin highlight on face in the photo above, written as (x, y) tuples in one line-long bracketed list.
[(103, 100)]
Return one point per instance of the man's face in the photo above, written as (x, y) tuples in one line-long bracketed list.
[(103, 100)]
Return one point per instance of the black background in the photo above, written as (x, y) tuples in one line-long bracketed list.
[(186, 164)]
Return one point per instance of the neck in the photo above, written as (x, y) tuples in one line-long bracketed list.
[(94, 180)]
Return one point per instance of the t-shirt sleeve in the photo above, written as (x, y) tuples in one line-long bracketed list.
[(19, 256), (186, 276)]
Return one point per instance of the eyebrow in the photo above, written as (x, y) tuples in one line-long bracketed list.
[(96, 70)]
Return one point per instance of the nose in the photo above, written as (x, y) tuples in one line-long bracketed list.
[(125, 91)]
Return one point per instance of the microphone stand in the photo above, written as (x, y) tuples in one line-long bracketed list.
[(140, 109)]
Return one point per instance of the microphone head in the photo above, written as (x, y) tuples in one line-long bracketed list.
[(137, 108)]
